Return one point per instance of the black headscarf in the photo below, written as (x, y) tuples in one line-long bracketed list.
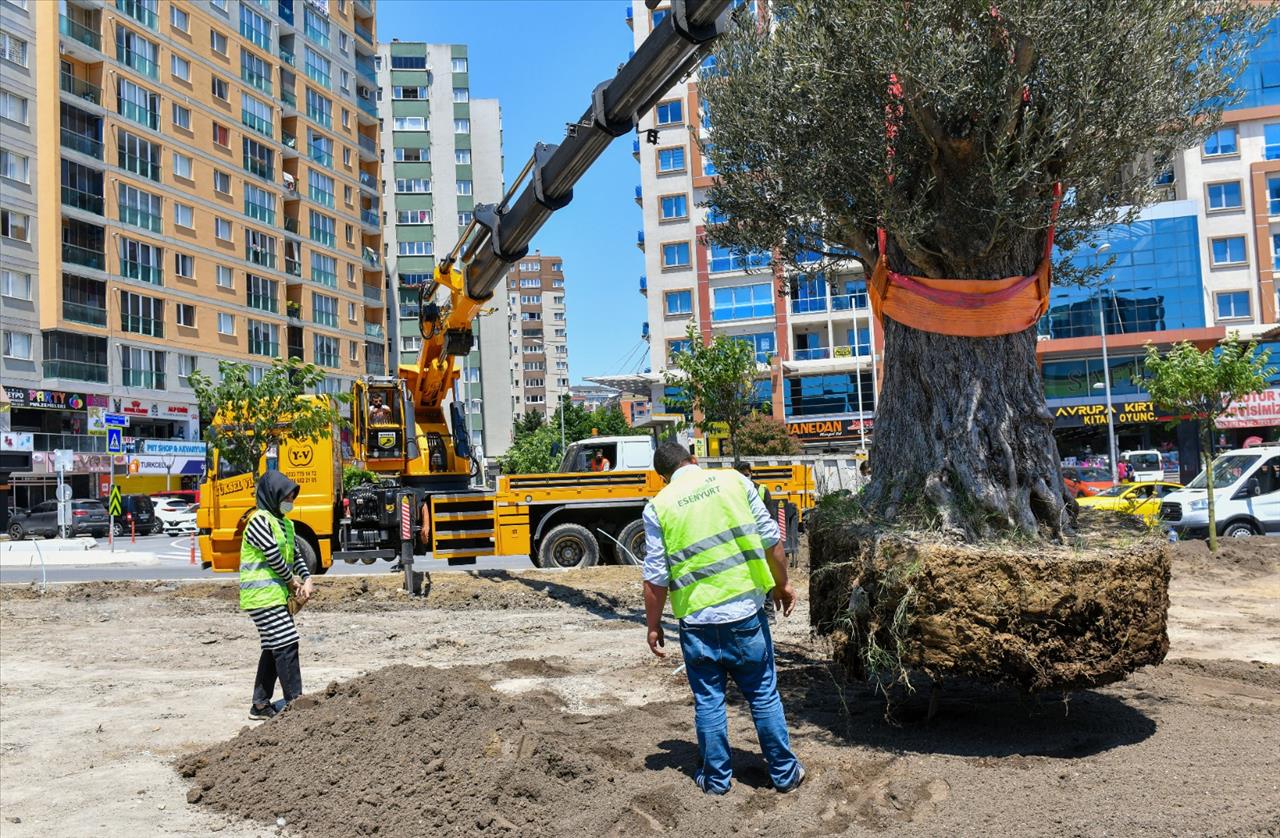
[(274, 487)]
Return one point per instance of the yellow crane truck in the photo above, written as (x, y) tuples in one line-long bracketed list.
[(415, 440)]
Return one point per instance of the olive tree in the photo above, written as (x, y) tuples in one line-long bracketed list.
[(1204, 386), (948, 123)]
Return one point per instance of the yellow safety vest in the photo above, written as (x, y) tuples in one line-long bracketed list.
[(260, 586), (714, 552)]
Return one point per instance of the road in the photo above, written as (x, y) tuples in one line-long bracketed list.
[(174, 557)]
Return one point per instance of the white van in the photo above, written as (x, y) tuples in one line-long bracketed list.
[(1246, 492), (1146, 465)]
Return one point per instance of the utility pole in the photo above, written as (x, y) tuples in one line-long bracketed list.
[(1106, 377)]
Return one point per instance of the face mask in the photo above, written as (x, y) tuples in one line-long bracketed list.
[(286, 506)]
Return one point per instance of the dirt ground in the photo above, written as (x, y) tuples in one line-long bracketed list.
[(528, 704)]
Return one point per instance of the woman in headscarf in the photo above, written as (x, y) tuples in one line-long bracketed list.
[(269, 569)]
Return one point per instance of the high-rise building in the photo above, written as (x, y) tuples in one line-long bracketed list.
[(208, 192), (442, 153), (539, 334)]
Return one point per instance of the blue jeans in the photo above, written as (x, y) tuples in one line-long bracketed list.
[(743, 649)]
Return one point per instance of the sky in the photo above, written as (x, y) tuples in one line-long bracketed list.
[(541, 59)]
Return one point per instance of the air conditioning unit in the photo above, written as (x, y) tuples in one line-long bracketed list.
[(364, 91)]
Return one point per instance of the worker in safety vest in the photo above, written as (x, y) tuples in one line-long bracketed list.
[(269, 569), (712, 545)]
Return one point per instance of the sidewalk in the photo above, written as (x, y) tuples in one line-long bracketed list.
[(69, 551)]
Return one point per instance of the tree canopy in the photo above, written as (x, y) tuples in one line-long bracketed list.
[(763, 436), (536, 447), (718, 379)]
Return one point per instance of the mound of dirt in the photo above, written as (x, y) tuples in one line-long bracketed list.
[(1248, 557), (1040, 617)]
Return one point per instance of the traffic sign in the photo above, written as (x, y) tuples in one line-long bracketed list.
[(113, 504), (115, 440), (119, 420), (64, 492)]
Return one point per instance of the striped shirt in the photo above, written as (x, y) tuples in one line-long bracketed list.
[(275, 625)]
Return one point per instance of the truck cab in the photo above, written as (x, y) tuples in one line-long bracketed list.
[(621, 453), (1246, 496), (1147, 466)]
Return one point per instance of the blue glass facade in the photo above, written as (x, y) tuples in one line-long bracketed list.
[(828, 395), (1260, 81), (1154, 285)]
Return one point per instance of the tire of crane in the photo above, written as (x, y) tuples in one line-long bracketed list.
[(568, 546), (631, 537)]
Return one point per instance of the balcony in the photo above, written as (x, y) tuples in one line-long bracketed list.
[(365, 69), (817, 353), (368, 147), (81, 200), (369, 218), (138, 11), (808, 305), (76, 371), (79, 87), (371, 259), (293, 267), (368, 106), (88, 257), (849, 302), (644, 330), (409, 311), (286, 55), (285, 10), (90, 315), (364, 8), (639, 196), (79, 32), (644, 284), (368, 181), (373, 293), (635, 149), (291, 225), (631, 18), (82, 143), (363, 33), (373, 330), (290, 143), (640, 239)]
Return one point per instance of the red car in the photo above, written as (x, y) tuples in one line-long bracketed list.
[(1086, 482)]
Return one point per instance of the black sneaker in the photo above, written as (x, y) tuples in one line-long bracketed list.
[(260, 714)]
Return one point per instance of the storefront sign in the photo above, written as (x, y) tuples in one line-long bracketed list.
[(1124, 413), (146, 464), (14, 441), (818, 430), (171, 447), (1258, 410), (49, 399), (42, 462), (97, 421), (158, 410)]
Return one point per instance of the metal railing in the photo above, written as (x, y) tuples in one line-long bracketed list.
[(77, 255), (257, 123), (368, 144), (368, 180), (79, 87), (147, 379), (81, 143), (849, 302), (287, 57), (373, 330), (372, 292), (84, 313), (76, 370), (82, 200), (369, 217), (367, 105), (817, 353), (287, 96), (364, 34), (293, 267), (79, 32), (80, 443)]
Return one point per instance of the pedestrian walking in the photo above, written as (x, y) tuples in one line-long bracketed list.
[(712, 545), (269, 571)]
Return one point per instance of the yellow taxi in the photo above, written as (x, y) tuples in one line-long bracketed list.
[(1141, 499)]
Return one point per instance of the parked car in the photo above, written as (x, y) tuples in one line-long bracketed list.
[(1141, 499), (1246, 496), (137, 513), (1083, 481), (175, 514), (88, 517), (189, 495)]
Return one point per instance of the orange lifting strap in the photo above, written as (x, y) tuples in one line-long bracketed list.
[(970, 308)]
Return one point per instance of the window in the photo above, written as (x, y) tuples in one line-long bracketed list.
[(256, 114), (346, 116), (318, 68), (465, 218), (226, 323), (220, 89), (670, 113), (1233, 305), (316, 27), (351, 312), (182, 165), (408, 123), (408, 62), (15, 284), (259, 248), (186, 314), (319, 108), (218, 42), (721, 259), (226, 277), (13, 48), (139, 156), (1221, 142), (1229, 251), (138, 104), (13, 107), (259, 159), (464, 187), (141, 315), (674, 206), (261, 293), (414, 248), (136, 52), (413, 216), (322, 229), (412, 155), (1273, 195), (531, 300), (221, 182), (324, 309), (462, 126), (181, 117), (180, 67), (670, 160), (17, 345), (320, 188), (186, 366), (462, 156), (15, 225), (184, 265), (259, 204), (353, 351), (140, 209), (408, 93), (184, 215), (326, 350), (413, 184), (1271, 141), (222, 228), (461, 95), (675, 255), (742, 302), (179, 19), (143, 11), (320, 148), (264, 338), (324, 269), (15, 166), (459, 65), (679, 302), (255, 27), (1224, 195), (141, 261), (221, 135), (255, 71), (220, 5)]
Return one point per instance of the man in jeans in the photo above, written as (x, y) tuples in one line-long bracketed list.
[(711, 543)]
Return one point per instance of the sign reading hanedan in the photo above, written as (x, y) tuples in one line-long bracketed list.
[(820, 430)]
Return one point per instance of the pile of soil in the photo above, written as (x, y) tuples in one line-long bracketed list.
[(1247, 557), (1040, 617)]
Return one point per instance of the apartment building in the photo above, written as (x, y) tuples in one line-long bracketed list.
[(442, 153), (19, 222), (209, 192), (813, 333), (539, 334)]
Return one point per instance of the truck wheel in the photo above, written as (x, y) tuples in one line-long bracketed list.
[(632, 538), (307, 554), (1239, 529), (568, 546)]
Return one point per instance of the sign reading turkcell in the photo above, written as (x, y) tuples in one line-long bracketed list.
[(178, 448)]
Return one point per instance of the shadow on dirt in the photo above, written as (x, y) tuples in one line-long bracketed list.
[(749, 767), (970, 720), (602, 605)]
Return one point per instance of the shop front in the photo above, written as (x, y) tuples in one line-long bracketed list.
[(843, 433), (1080, 429), (1253, 420)]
